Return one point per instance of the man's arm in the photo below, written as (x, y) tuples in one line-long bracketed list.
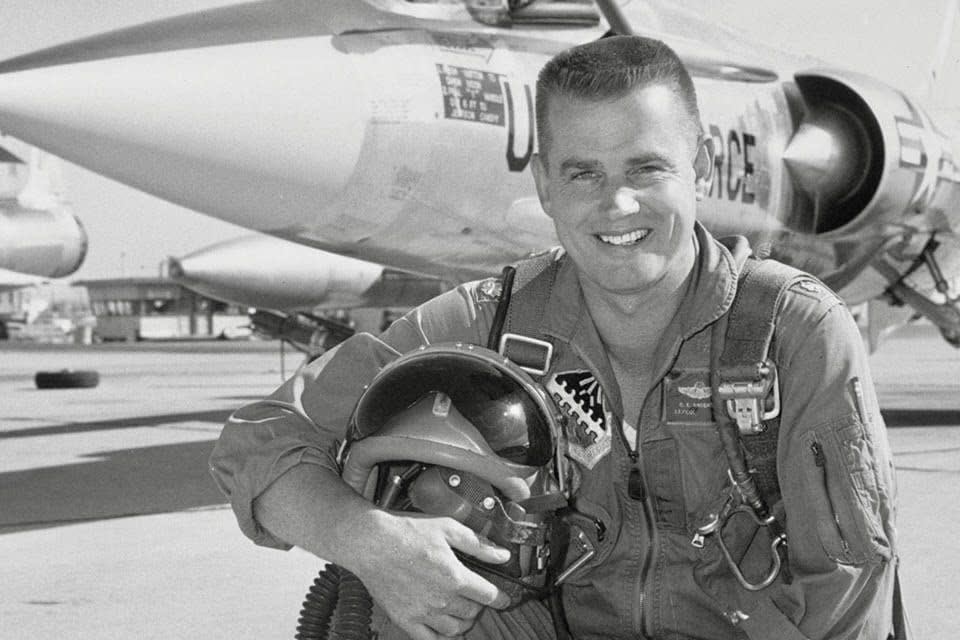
[(275, 460), (406, 562), (836, 475)]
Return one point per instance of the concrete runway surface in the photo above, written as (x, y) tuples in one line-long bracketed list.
[(110, 526)]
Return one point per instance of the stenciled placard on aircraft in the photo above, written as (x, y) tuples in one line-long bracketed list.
[(471, 94)]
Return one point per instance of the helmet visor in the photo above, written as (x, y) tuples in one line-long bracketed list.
[(500, 403)]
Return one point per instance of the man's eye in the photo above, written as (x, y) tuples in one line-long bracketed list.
[(647, 169), (582, 176)]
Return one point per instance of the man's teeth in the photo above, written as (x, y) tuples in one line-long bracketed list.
[(625, 238)]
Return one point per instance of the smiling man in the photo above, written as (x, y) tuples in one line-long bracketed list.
[(684, 521)]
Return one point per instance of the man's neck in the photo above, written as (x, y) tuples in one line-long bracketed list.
[(632, 324)]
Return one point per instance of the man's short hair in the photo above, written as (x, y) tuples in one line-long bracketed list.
[(611, 68)]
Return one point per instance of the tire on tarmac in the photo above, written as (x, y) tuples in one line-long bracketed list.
[(67, 379)]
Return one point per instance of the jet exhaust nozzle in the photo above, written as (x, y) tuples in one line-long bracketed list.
[(864, 154)]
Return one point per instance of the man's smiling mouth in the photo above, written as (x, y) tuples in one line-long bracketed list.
[(624, 239)]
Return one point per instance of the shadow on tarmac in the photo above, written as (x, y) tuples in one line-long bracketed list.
[(218, 416), (921, 417), (112, 484)]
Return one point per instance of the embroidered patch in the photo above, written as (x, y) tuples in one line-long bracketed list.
[(489, 290), (687, 397), (580, 397)]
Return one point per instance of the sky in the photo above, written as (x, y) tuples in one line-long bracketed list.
[(131, 233)]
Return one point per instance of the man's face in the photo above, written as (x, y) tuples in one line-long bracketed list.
[(619, 182)]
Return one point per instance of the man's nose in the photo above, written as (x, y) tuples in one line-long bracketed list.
[(624, 202)]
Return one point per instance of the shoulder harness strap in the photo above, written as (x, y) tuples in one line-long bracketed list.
[(745, 376), (514, 332), (746, 405)]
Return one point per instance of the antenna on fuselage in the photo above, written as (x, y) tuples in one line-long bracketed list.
[(619, 25), (943, 49)]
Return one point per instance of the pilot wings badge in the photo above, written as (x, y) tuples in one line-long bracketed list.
[(580, 397), (697, 391), (687, 397)]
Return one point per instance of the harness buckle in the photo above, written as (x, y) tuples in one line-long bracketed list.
[(530, 354), (752, 395)]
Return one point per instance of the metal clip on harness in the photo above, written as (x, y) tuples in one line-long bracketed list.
[(752, 395), (715, 524), (744, 397)]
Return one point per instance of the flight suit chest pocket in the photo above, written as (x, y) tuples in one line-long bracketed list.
[(841, 486)]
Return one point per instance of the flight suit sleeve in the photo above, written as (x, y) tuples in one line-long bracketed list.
[(303, 421), (836, 478)]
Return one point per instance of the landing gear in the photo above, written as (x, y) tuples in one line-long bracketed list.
[(946, 314)]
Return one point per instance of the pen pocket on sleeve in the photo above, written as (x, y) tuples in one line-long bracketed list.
[(842, 487)]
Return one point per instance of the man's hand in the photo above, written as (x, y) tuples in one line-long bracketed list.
[(407, 563)]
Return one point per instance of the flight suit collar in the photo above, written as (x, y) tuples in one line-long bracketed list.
[(713, 288), (712, 291)]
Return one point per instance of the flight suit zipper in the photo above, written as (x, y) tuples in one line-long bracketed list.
[(637, 482), (637, 486), (636, 475), (637, 491)]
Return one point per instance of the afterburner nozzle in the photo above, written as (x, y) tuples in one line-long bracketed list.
[(827, 156)]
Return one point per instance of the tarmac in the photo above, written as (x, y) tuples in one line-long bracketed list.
[(110, 526)]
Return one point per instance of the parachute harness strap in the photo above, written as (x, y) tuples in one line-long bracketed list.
[(746, 405)]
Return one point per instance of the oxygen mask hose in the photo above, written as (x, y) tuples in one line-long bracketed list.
[(338, 605)]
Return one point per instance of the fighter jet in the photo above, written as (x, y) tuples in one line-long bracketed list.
[(39, 234), (399, 132)]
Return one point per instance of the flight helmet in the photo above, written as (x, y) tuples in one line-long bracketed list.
[(458, 430)]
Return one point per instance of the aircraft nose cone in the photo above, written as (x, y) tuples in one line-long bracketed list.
[(256, 133)]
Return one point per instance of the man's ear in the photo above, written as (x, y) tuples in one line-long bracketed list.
[(703, 165), (541, 180)]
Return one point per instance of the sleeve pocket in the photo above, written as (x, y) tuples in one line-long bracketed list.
[(842, 486)]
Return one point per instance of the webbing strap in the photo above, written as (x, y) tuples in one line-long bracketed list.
[(752, 316), (500, 316), (749, 332), (532, 283)]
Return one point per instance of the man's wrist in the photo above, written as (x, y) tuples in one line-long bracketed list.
[(360, 532)]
